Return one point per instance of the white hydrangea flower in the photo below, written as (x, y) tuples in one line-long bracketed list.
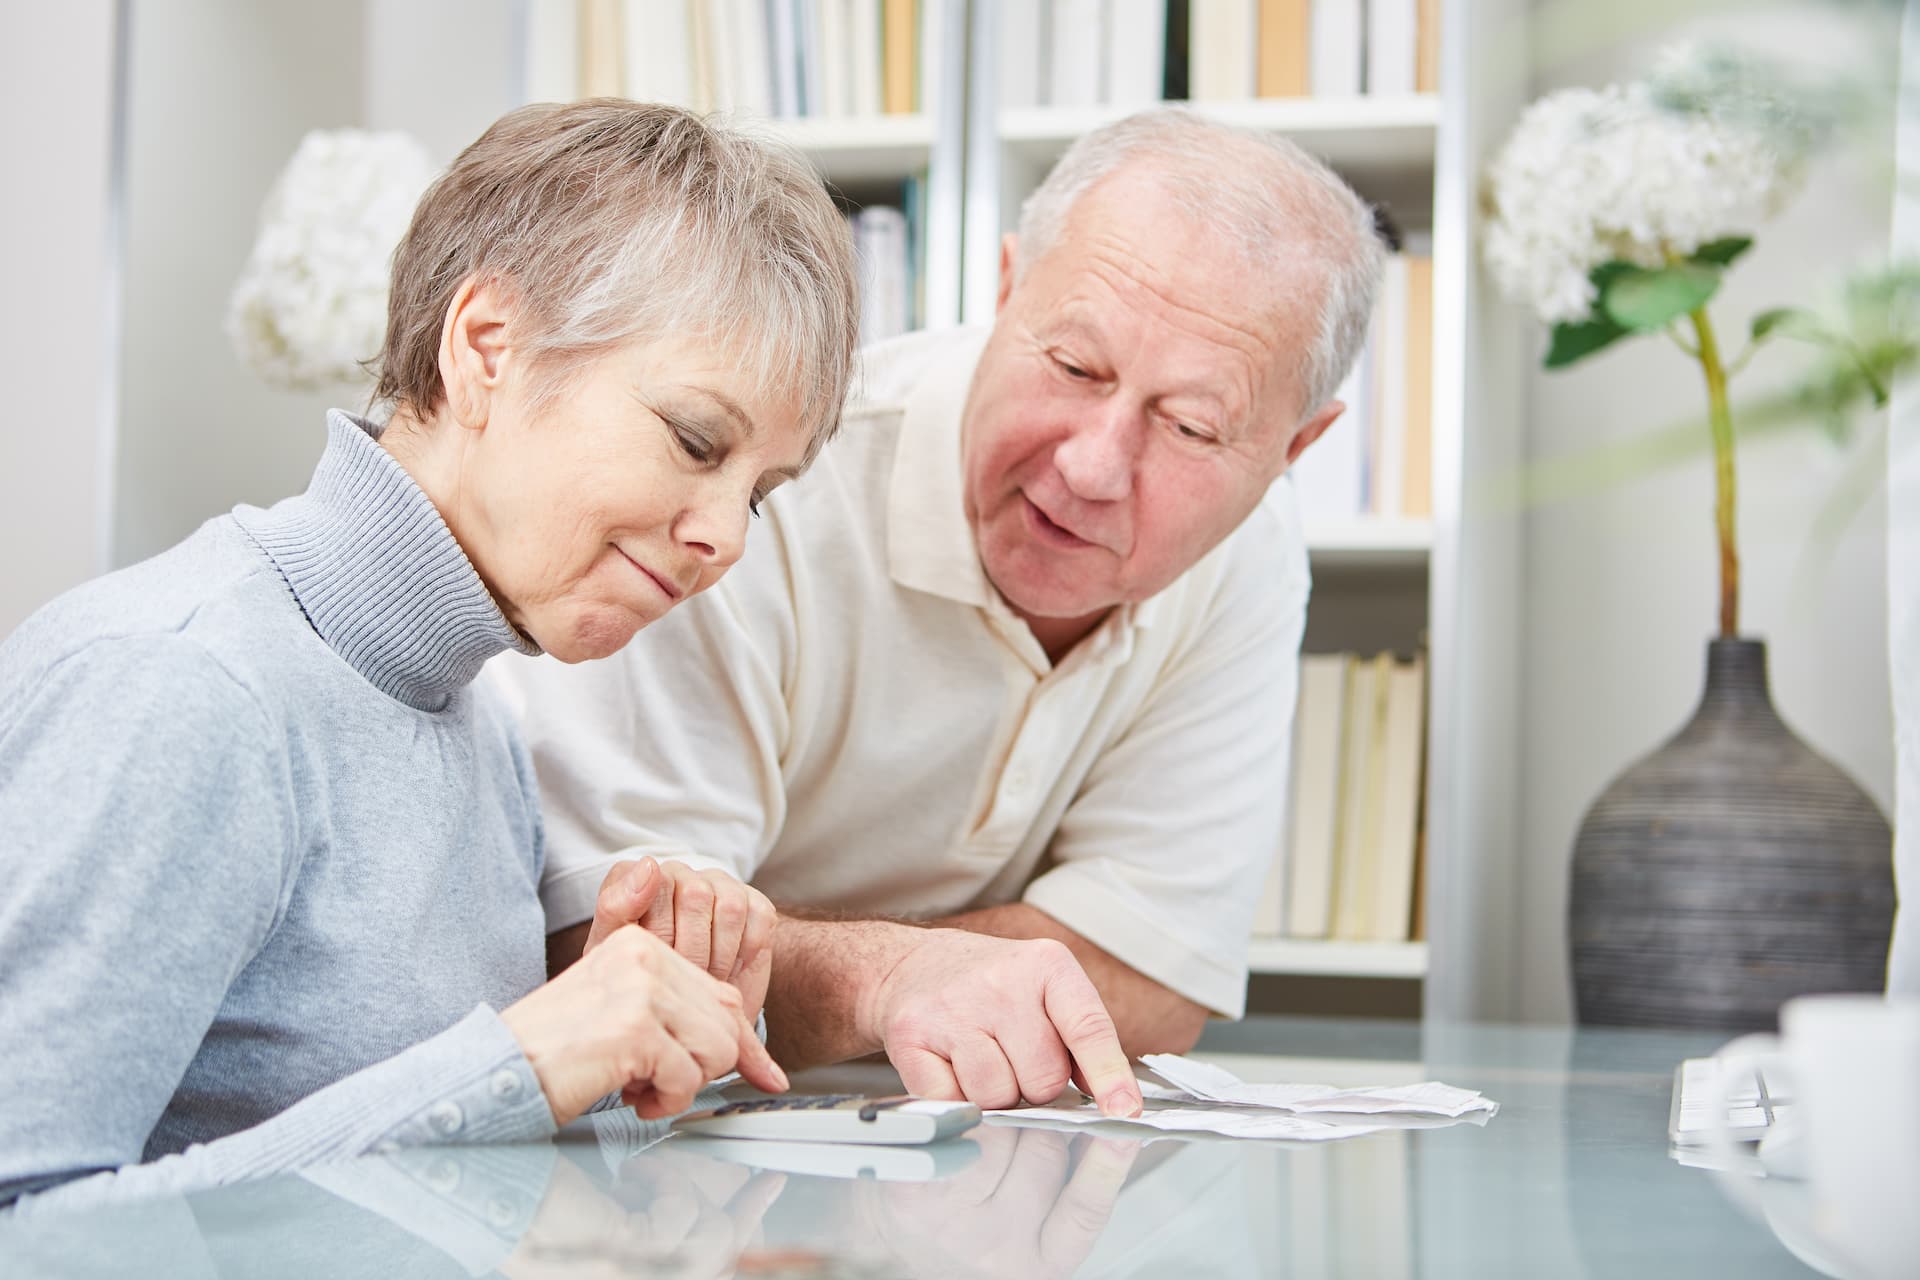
[(311, 303), (1590, 176)]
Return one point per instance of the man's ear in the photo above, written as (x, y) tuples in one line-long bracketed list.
[(1009, 244), (473, 350), (1312, 429)]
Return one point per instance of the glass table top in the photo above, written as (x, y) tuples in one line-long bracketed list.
[(1572, 1178)]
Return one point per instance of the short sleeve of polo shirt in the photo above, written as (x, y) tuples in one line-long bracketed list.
[(1162, 853)]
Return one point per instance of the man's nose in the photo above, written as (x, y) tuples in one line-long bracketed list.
[(1098, 456)]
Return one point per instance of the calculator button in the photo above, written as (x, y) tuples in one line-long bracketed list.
[(871, 1111)]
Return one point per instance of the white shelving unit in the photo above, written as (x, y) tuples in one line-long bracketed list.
[(855, 152), (1377, 542), (1384, 146), (1332, 959), (1452, 580)]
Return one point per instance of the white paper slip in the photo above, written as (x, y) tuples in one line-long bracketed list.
[(1231, 1122), (1205, 1082)]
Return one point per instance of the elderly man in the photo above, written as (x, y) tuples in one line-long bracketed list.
[(1003, 698)]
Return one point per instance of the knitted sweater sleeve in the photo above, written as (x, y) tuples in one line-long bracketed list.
[(149, 851)]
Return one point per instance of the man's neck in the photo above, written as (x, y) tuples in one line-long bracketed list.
[(1058, 636)]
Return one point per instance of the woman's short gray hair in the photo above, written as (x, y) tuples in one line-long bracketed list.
[(608, 221), (1279, 204)]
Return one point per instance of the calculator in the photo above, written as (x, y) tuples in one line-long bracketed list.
[(898, 1121)]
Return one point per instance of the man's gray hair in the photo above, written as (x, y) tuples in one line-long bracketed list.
[(608, 221), (1280, 205)]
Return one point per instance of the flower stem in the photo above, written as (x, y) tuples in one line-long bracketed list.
[(1720, 416)]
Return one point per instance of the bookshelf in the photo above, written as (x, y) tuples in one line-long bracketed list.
[(1383, 146), (1446, 582), (1334, 959), (856, 152)]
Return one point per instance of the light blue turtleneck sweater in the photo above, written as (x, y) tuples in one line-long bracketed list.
[(262, 840)]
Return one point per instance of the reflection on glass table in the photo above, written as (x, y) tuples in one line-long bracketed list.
[(1571, 1178)]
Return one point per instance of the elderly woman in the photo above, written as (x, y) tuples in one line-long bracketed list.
[(270, 860)]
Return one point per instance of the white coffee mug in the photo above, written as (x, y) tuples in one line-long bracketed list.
[(1850, 1067)]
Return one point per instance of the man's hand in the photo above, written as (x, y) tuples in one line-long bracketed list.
[(1032, 1205), (1150, 1018), (665, 1214), (993, 1020), (717, 923), (636, 1017)]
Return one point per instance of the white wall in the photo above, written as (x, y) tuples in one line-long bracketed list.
[(222, 91), (1621, 586), (56, 92), (443, 70), (1903, 553)]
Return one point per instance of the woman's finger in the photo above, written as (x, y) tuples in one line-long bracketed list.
[(693, 915), (758, 935), (730, 916), (624, 897), (675, 1080)]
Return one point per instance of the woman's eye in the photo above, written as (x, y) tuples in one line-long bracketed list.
[(696, 448), (753, 503)]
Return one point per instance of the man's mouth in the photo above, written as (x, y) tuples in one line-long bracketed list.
[(1049, 530)]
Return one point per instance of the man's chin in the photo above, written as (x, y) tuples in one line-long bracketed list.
[(1049, 602)]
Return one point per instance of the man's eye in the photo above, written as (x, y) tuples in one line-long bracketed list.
[(1070, 369), (1191, 433)]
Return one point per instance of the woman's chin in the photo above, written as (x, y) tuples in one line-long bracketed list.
[(597, 635)]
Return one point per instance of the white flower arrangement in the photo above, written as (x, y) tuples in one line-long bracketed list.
[(1617, 175), (311, 303), (1616, 212)]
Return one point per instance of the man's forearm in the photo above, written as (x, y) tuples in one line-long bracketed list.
[(825, 973), (565, 946), (1149, 1017)]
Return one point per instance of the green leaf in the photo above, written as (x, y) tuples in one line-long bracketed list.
[(1647, 301), (1575, 340), (1721, 253), (1790, 322), (1606, 273)]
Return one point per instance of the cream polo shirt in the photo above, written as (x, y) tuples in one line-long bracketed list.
[(853, 719)]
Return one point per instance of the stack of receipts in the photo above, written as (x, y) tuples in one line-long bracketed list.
[(1207, 1099)]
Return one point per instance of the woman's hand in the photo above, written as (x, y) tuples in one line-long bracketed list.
[(634, 1016), (718, 923)]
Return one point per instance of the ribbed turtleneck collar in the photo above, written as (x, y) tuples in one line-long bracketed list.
[(379, 574)]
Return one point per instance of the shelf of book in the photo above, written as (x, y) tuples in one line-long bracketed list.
[(1370, 542), (1330, 958), (860, 149), (1354, 134)]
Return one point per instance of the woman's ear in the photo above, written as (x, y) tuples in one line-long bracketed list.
[(473, 351)]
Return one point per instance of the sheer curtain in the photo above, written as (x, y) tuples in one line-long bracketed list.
[(1903, 546)]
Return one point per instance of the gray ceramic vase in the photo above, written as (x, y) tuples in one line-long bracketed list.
[(1731, 870)]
